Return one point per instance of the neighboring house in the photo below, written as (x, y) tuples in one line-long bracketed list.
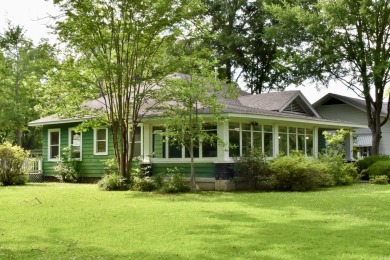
[(337, 107), (278, 122)]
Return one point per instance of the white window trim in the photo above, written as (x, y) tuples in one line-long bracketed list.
[(49, 144), (81, 143), (95, 140)]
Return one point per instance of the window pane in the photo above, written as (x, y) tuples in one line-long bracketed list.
[(309, 145), (174, 150), (137, 137), (209, 148), (246, 127), (301, 143), (282, 129), (257, 142), (268, 128), (158, 143), (234, 126), (101, 134), (137, 149), (268, 144), (234, 143), (54, 152), (292, 130), (292, 142), (283, 143), (246, 141), (54, 138), (195, 150), (101, 147), (256, 127), (301, 131)]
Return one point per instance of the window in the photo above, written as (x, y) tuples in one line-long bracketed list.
[(293, 139), (245, 136), (75, 144), (101, 141), (164, 147), (53, 144), (137, 142)]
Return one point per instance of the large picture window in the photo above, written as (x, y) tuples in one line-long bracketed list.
[(101, 141), (295, 139), (75, 144), (53, 144), (245, 136)]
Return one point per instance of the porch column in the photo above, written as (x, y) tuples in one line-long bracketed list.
[(223, 134), (146, 143), (348, 146), (276, 140), (315, 142)]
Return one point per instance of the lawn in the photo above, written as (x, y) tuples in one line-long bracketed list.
[(77, 221)]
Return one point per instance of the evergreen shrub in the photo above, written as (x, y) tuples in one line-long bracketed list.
[(12, 169)]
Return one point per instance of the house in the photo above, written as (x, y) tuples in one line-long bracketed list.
[(338, 107), (277, 122)]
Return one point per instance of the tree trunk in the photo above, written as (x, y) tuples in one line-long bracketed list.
[(192, 179)]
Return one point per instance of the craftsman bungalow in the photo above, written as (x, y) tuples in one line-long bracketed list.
[(277, 122)]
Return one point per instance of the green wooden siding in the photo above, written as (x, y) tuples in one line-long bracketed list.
[(201, 169), (91, 165)]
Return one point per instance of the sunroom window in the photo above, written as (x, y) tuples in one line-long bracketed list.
[(137, 141), (245, 136), (295, 139)]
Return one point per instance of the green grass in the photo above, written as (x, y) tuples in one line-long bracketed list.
[(76, 221)]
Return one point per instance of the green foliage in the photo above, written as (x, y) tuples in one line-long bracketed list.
[(299, 173), (252, 164), (174, 182), (342, 173), (335, 142), (365, 163), (379, 179), (110, 166), (144, 184), (12, 170), (113, 182), (381, 167), (67, 169)]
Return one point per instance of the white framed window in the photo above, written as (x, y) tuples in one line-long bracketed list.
[(137, 141), (100, 144), (75, 144), (295, 139), (54, 144), (245, 136)]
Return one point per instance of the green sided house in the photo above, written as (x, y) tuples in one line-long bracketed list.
[(278, 122)]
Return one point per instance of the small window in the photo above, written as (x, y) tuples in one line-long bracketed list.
[(53, 144), (75, 144), (101, 141)]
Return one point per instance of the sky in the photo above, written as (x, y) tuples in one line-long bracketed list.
[(32, 15)]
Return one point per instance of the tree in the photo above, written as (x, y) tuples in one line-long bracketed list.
[(122, 42), (23, 71), (189, 102), (239, 40), (342, 40)]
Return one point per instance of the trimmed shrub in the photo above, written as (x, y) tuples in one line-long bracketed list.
[(174, 183), (12, 170), (365, 163), (113, 182), (379, 168), (252, 164), (110, 166), (144, 184), (379, 179), (299, 173)]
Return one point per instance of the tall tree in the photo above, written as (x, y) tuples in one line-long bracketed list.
[(242, 47), (343, 40), (23, 70), (121, 40)]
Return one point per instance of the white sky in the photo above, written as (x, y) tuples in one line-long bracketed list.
[(31, 14)]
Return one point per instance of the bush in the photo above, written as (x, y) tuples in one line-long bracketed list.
[(366, 162), (67, 168), (342, 173), (299, 173), (253, 165), (113, 182), (12, 170), (144, 184), (110, 166), (379, 168), (379, 179), (174, 183)]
